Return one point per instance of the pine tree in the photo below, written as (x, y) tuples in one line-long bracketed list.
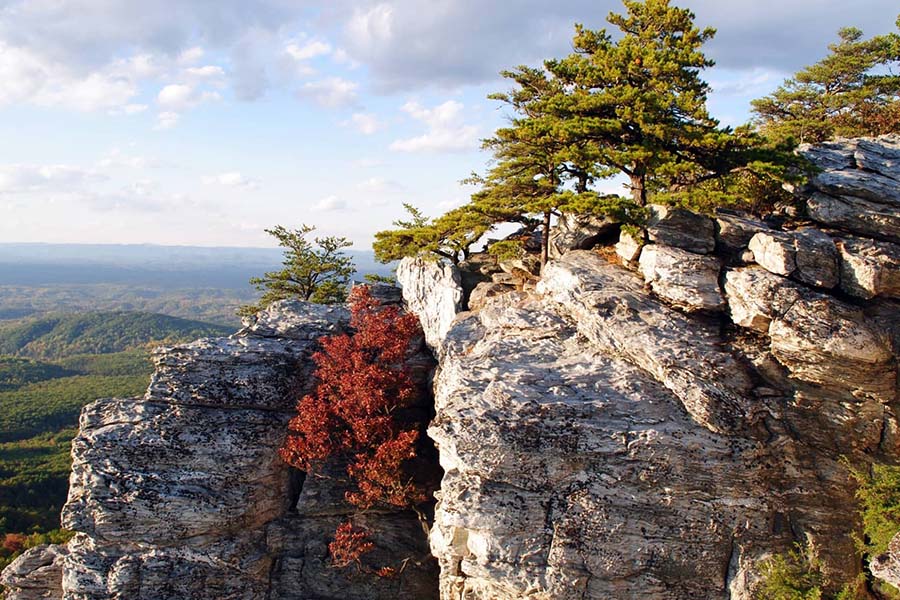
[(851, 92), (637, 105), (449, 236), (314, 271)]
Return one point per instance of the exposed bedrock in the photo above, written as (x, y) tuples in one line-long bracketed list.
[(181, 494)]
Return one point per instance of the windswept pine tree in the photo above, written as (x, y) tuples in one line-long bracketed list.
[(315, 271), (854, 91)]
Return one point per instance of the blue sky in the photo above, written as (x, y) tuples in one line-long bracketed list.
[(204, 122)]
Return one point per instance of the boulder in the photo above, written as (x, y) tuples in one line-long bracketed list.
[(835, 155), (880, 155), (734, 231), (681, 228), (866, 185), (433, 291), (869, 268), (856, 215), (579, 232), (36, 574), (485, 292), (685, 280), (808, 255), (628, 248), (819, 339)]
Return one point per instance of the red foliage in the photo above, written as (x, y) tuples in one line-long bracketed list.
[(12, 543), (348, 545), (361, 381)]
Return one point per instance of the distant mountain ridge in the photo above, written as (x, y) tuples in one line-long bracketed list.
[(145, 264), (98, 333)]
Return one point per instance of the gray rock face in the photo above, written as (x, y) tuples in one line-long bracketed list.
[(734, 232), (433, 291), (181, 494), (36, 574), (819, 339), (686, 280), (599, 444), (808, 255), (869, 268), (887, 566), (681, 228), (578, 232), (859, 187)]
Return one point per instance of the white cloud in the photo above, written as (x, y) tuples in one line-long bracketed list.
[(30, 78), (191, 55), (205, 73), (117, 158), (445, 129), (330, 204), (129, 109), (178, 97), (167, 120), (378, 185), (373, 26), (307, 50), (334, 92), (233, 179), (365, 123), (24, 178)]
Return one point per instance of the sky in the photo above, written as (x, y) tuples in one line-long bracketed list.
[(203, 122)]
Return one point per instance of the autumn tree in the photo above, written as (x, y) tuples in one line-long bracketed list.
[(314, 271), (363, 382), (854, 91)]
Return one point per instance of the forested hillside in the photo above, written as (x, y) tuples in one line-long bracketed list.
[(97, 333), (49, 369)]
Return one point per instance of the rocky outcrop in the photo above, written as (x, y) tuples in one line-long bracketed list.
[(36, 574), (686, 280), (181, 494), (645, 422), (433, 290), (611, 435), (857, 189)]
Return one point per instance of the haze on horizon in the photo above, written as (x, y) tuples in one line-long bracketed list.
[(202, 123)]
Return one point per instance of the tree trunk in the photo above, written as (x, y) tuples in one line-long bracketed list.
[(545, 240), (639, 189)]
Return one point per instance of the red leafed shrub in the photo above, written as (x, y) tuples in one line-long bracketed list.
[(13, 542), (348, 545), (362, 380)]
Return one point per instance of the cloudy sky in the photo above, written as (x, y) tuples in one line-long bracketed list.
[(202, 122)]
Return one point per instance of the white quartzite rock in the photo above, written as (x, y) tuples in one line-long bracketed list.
[(808, 255), (628, 247), (599, 444), (886, 566), (36, 574), (819, 339), (869, 268), (182, 494), (681, 228), (685, 280), (433, 291)]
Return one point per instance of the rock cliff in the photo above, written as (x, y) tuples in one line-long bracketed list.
[(181, 494), (653, 425), (649, 421)]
